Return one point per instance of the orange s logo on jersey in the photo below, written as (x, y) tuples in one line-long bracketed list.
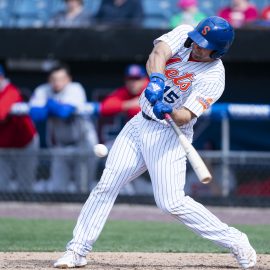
[(205, 30)]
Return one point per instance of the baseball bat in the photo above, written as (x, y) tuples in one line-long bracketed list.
[(192, 155)]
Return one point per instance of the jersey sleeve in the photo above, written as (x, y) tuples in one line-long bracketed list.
[(204, 94), (175, 38)]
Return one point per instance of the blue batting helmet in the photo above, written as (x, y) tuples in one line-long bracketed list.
[(213, 33)]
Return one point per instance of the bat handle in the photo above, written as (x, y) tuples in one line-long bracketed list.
[(168, 117), (171, 122), (195, 160)]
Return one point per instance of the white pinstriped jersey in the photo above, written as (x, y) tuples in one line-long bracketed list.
[(194, 85)]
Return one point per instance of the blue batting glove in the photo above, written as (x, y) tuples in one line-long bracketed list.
[(155, 88), (160, 109)]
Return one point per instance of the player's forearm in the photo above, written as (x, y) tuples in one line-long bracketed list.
[(182, 116), (156, 63), (157, 59)]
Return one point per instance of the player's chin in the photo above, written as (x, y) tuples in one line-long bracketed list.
[(196, 56), (202, 58)]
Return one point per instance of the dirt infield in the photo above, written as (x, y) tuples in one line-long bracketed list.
[(134, 261)]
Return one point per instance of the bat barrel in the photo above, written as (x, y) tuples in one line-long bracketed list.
[(194, 158)]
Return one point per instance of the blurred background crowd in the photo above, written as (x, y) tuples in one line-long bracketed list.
[(47, 145), (138, 13)]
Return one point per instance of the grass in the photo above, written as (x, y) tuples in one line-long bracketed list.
[(126, 236)]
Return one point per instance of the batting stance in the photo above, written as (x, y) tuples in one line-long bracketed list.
[(186, 78)]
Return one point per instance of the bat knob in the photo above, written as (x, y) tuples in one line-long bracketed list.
[(206, 180)]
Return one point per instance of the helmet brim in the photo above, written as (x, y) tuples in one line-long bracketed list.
[(200, 40)]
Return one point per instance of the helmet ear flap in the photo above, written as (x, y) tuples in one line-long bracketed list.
[(216, 54), (188, 42)]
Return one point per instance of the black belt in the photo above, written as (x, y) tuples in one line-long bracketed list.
[(145, 116)]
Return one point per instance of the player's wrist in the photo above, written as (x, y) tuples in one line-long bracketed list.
[(181, 116), (157, 75), (158, 78)]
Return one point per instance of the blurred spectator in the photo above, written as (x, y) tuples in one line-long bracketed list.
[(16, 132), (67, 132), (266, 14), (239, 13), (189, 14), (126, 98), (264, 20), (123, 100), (74, 16), (120, 12)]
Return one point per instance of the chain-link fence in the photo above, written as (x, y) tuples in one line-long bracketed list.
[(63, 170), (69, 175), (234, 174)]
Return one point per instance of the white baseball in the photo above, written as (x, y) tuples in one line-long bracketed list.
[(100, 150)]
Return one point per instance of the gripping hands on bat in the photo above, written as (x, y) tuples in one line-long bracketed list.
[(160, 109), (154, 94)]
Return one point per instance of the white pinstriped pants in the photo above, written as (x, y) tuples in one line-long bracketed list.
[(145, 144)]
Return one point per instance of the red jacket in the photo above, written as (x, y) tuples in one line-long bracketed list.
[(15, 131), (113, 104)]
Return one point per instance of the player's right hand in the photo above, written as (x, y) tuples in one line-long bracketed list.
[(155, 88), (160, 109)]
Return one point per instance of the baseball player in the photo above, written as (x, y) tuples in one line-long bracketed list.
[(186, 77)]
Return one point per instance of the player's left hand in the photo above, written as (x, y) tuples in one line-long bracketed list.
[(155, 88), (160, 109)]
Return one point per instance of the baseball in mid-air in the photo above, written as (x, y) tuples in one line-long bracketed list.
[(101, 150)]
